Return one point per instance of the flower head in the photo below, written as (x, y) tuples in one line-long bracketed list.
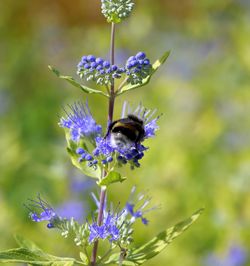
[(98, 70), (136, 205), (116, 147), (108, 229), (115, 10), (138, 67), (130, 151), (80, 122), (117, 224), (44, 212)]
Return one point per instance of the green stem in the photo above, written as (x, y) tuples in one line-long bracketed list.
[(110, 119), (112, 86), (104, 256)]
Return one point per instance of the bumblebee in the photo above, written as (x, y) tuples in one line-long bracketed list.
[(126, 132)]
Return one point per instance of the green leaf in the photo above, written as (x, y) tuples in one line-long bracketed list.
[(83, 166), (72, 81), (152, 248), (146, 80), (24, 255), (111, 177), (24, 243), (84, 258)]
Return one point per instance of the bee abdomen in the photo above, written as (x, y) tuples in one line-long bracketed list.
[(130, 132)]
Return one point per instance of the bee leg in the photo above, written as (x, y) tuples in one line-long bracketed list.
[(136, 145), (106, 134)]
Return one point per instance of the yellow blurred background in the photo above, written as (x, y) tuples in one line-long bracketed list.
[(201, 155)]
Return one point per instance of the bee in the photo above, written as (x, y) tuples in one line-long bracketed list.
[(126, 132)]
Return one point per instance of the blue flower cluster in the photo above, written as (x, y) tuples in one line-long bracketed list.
[(82, 125), (102, 72), (116, 225), (107, 230), (141, 200), (98, 70), (138, 67), (80, 122), (107, 153), (115, 10), (47, 213)]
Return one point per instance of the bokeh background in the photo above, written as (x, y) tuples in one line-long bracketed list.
[(201, 155)]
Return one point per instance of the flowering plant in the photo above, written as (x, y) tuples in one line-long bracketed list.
[(100, 153)]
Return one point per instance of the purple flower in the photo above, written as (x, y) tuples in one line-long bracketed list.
[(116, 225), (136, 204), (44, 212), (129, 152), (107, 230), (80, 122)]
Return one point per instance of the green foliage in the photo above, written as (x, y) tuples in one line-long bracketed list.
[(25, 243), (83, 166), (124, 88), (84, 258), (201, 152), (73, 82), (33, 255), (110, 178), (23, 255), (149, 250)]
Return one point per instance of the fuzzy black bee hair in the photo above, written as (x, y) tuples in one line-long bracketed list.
[(124, 130)]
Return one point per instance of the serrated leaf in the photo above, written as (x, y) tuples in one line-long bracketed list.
[(146, 80), (152, 248), (24, 255), (73, 82), (110, 178)]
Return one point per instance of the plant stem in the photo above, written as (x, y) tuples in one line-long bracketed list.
[(110, 119), (112, 86), (99, 222)]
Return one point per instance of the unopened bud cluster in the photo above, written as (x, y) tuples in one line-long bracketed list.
[(116, 10), (103, 72), (138, 67), (98, 70)]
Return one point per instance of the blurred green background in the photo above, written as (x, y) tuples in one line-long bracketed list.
[(201, 155)]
